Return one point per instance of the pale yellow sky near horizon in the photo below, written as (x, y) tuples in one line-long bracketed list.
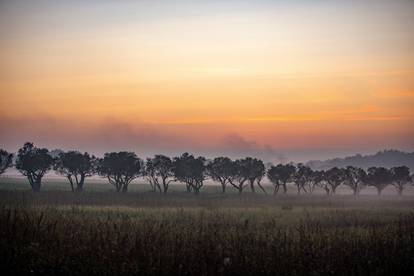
[(311, 75)]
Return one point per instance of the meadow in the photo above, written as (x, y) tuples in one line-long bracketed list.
[(103, 232)]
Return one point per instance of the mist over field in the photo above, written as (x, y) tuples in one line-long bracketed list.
[(206, 137)]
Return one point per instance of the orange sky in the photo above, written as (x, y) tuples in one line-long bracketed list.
[(228, 76)]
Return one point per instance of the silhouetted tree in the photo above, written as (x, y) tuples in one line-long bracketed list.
[(191, 171), (150, 174), (280, 175), (400, 178), (318, 177), (34, 163), (158, 170), (379, 177), (120, 168), (334, 178), (323, 183), (221, 169), (256, 170), (303, 177), (355, 178), (240, 175), (6, 160), (75, 166)]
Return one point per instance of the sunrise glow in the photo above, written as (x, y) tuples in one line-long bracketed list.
[(208, 76)]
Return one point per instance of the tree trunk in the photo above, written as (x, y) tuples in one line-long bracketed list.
[(125, 188), (118, 186), (37, 183), (79, 187), (379, 191), (159, 187), (165, 185), (261, 187), (252, 186), (284, 188), (223, 187), (71, 183), (276, 190), (304, 189)]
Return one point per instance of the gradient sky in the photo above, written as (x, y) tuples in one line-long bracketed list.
[(281, 80)]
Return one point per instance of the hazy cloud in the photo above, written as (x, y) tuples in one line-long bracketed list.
[(238, 146)]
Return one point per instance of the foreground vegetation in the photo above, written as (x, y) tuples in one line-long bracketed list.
[(57, 232)]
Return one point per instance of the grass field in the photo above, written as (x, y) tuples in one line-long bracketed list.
[(144, 233)]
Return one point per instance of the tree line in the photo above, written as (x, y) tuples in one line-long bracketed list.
[(121, 168)]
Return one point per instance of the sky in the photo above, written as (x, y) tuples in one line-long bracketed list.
[(279, 80)]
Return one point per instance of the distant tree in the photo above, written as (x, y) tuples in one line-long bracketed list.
[(6, 160), (379, 177), (303, 177), (280, 175), (159, 172), (355, 178), (256, 171), (75, 166), (34, 163), (323, 183), (150, 174), (400, 178), (334, 177), (318, 178), (240, 175), (120, 168), (221, 169), (191, 171)]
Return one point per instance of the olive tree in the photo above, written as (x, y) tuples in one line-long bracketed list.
[(334, 177), (75, 166), (120, 168), (240, 174), (221, 169), (159, 171), (355, 178), (318, 180), (255, 170), (400, 178), (280, 175), (303, 177), (6, 160), (34, 163), (191, 171), (379, 177)]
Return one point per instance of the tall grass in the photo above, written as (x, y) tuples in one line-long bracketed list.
[(284, 240)]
